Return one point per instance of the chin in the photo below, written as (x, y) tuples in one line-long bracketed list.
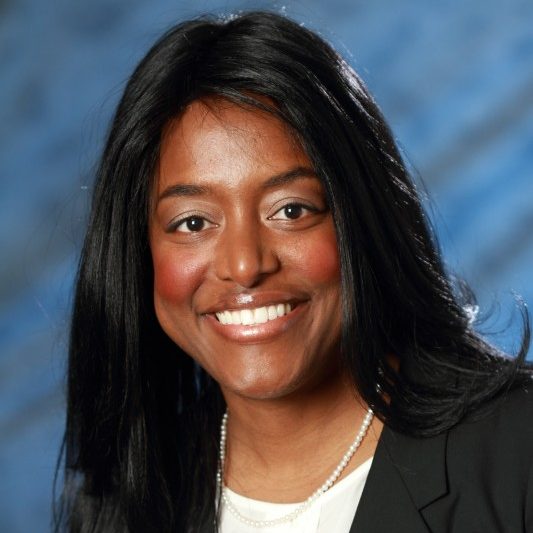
[(280, 387), (261, 388)]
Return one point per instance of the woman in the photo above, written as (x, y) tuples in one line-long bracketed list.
[(257, 282)]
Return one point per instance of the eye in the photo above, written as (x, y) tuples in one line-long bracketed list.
[(192, 224), (293, 211)]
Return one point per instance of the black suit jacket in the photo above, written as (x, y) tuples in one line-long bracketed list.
[(477, 477)]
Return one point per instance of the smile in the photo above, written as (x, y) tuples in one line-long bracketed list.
[(251, 317)]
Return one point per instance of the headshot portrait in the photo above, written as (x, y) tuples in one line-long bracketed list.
[(287, 289)]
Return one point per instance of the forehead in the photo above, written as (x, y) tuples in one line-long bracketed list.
[(217, 139)]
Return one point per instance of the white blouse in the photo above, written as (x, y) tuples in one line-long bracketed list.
[(334, 511)]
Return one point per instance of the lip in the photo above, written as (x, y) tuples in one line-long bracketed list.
[(258, 332), (237, 302)]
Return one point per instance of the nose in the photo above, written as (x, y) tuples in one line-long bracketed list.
[(245, 254)]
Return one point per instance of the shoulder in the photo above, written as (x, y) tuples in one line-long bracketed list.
[(477, 476), (504, 424), (489, 462)]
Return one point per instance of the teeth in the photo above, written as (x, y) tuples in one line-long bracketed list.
[(247, 317), (235, 317), (260, 315), (250, 317)]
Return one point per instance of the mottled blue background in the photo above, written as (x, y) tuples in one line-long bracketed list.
[(455, 79)]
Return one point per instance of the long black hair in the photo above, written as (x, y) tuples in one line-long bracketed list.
[(140, 446)]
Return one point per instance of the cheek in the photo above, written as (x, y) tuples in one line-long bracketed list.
[(176, 276), (318, 259)]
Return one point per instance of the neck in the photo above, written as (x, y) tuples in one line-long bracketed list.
[(282, 449)]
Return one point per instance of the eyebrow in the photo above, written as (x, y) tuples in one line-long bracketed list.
[(184, 189), (289, 176)]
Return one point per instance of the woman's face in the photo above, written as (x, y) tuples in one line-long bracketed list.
[(246, 268)]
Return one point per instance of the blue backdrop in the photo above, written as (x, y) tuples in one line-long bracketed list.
[(454, 78)]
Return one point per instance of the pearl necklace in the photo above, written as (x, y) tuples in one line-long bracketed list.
[(307, 503)]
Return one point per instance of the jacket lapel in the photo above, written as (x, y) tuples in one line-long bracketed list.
[(407, 475)]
